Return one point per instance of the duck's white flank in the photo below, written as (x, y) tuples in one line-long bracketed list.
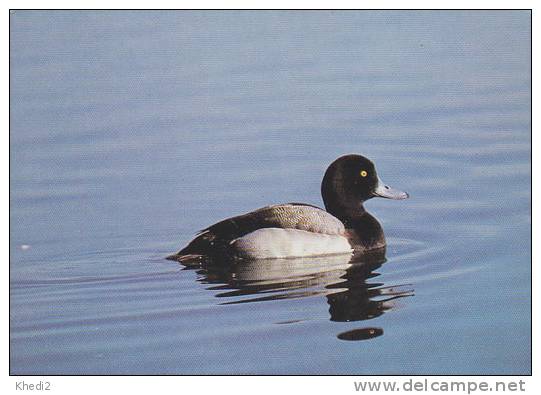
[(288, 243)]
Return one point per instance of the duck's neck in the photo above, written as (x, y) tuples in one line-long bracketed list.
[(363, 228)]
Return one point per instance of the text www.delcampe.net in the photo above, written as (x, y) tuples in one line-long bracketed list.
[(438, 386)]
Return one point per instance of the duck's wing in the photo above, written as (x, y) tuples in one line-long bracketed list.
[(287, 216), (216, 238)]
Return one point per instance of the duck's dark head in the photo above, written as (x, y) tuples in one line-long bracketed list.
[(351, 180)]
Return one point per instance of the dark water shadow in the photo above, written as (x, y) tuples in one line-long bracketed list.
[(347, 282)]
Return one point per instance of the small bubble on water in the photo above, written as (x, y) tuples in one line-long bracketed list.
[(24, 247)]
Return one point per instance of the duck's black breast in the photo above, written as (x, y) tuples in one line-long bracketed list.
[(365, 233)]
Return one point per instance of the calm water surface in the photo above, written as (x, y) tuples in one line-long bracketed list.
[(130, 131)]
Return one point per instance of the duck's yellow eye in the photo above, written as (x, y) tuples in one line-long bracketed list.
[(363, 173)]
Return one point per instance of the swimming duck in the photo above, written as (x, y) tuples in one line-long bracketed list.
[(299, 229)]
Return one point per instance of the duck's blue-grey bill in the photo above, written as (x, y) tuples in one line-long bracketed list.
[(387, 192)]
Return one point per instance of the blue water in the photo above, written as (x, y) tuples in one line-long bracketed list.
[(132, 130)]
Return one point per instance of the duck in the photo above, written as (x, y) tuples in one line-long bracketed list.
[(294, 230)]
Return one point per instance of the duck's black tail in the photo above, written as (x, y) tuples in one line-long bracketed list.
[(197, 251), (188, 259)]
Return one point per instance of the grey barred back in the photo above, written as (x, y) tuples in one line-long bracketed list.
[(289, 216)]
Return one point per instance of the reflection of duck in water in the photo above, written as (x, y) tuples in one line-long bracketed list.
[(276, 278), (297, 229), (342, 279)]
